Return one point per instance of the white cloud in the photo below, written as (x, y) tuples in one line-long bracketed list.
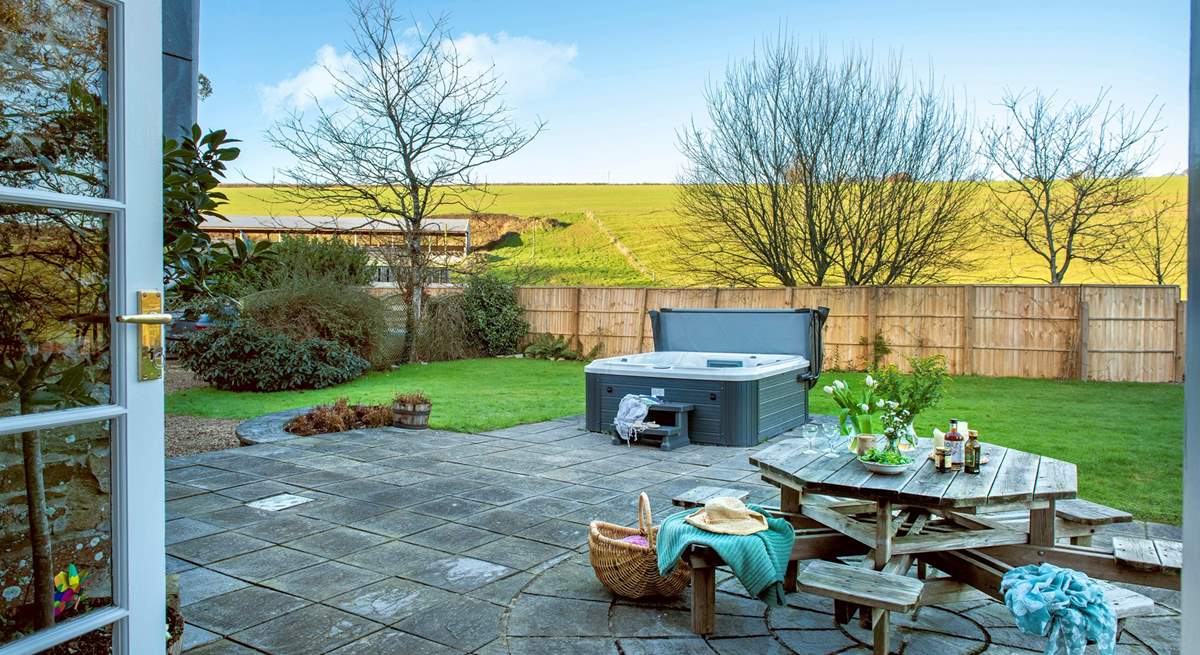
[(527, 66), (315, 83)]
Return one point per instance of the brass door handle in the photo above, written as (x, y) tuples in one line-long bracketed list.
[(146, 319)]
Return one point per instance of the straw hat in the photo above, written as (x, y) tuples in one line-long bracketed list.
[(726, 515)]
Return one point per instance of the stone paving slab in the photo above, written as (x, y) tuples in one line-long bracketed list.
[(436, 542)]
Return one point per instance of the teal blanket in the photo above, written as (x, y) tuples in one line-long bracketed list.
[(759, 560), (1063, 605)]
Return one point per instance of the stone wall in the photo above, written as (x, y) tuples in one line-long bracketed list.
[(78, 477)]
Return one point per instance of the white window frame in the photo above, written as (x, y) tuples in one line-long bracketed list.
[(135, 411)]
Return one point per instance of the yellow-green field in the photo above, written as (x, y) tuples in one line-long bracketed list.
[(638, 215)]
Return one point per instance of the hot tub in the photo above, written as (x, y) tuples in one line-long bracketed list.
[(703, 357)]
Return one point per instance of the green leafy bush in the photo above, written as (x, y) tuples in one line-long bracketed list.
[(322, 309), (548, 346), (301, 258), (495, 315), (242, 356), (921, 389), (194, 268)]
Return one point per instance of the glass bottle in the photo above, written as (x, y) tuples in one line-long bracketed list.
[(954, 444), (972, 453)]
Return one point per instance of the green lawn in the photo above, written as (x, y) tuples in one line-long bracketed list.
[(1126, 438), (469, 395)]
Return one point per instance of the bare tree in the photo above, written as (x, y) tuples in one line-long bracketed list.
[(412, 123), (815, 172), (1071, 175), (1157, 251)]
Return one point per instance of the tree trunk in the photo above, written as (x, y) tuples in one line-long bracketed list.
[(412, 321), (39, 530), (416, 289)]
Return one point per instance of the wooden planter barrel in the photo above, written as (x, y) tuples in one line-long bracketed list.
[(413, 416)]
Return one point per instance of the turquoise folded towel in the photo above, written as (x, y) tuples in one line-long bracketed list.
[(758, 560), (1063, 605)]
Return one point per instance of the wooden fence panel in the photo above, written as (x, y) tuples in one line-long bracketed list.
[(846, 343), (609, 318), (551, 310), (1133, 333), (920, 321), (1026, 331)]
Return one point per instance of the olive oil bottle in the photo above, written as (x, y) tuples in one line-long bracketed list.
[(972, 453)]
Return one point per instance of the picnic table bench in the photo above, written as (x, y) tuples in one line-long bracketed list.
[(970, 529)]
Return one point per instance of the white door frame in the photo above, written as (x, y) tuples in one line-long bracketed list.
[(1190, 629), (136, 410)]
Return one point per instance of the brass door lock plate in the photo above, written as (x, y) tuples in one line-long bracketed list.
[(150, 320)]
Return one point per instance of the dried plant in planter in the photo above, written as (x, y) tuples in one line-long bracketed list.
[(411, 410), (413, 398), (339, 417)]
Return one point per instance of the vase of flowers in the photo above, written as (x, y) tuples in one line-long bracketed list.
[(856, 416), (886, 457)]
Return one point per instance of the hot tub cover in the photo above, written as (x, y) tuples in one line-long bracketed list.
[(760, 331)]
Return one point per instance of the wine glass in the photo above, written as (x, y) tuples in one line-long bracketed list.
[(834, 440), (811, 434)]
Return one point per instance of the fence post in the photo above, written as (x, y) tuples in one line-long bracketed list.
[(1180, 338), (1083, 339), (641, 347), (575, 319), (967, 366), (872, 318)]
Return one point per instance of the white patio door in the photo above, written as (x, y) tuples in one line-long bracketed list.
[(81, 438)]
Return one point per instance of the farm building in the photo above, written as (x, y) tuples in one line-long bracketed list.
[(448, 240)]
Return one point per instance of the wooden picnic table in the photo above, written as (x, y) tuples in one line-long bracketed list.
[(972, 527)]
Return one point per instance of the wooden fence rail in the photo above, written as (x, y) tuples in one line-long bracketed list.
[(1090, 332)]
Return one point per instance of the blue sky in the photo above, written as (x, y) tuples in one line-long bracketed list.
[(614, 80)]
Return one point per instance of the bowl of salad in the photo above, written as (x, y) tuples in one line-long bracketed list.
[(885, 462)]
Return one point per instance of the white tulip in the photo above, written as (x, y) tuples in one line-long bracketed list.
[(865, 407), (828, 389), (870, 381), (839, 384)]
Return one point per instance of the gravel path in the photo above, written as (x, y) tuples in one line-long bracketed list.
[(194, 434)]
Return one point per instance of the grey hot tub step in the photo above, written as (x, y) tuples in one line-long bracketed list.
[(672, 419), (667, 437)]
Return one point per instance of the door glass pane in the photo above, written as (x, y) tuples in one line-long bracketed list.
[(54, 324), (71, 490), (54, 96)]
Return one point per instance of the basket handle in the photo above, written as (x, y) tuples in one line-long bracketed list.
[(645, 521)]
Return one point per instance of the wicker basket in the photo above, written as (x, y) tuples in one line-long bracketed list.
[(631, 570)]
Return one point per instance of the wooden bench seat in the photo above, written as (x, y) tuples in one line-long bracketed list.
[(1126, 602), (1078, 510), (1084, 514), (1155, 555), (861, 586)]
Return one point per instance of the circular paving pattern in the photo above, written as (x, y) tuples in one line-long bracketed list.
[(564, 609)]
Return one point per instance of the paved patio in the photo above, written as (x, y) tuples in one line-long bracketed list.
[(438, 542)]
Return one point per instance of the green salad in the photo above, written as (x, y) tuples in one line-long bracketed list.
[(885, 457)]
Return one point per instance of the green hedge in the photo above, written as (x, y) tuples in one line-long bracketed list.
[(242, 356), (494, 313)]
